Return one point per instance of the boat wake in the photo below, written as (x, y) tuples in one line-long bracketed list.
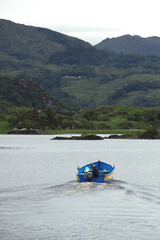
[(73, 187), (147, 194)]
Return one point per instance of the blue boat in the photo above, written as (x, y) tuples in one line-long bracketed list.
[(106, 173)]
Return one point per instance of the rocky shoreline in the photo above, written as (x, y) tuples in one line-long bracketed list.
[(82, 137), (27, 131)]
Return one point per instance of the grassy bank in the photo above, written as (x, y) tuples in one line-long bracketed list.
[(5, 128), (82, 131)]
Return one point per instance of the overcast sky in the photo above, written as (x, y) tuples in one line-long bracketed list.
[(89, 20)]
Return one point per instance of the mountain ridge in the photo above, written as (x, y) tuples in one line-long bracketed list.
[(128, 44), (39, 44)]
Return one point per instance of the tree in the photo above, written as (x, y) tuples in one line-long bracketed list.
[(49, 115)]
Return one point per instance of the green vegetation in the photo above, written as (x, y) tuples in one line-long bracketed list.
[(104, 119), (17, 92), (106, 92), (74, 72), (5, 127), (150, 133)]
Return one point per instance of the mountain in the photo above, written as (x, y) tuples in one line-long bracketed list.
[(128, 44), (45, 56), (73, 71), (18, 92), (43, 46)]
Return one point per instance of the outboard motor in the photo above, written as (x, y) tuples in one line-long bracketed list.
[(89, 176)]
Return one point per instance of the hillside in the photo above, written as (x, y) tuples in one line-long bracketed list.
[(104, 118), (76, 73), (40, 45), (17, 92), (128, 44)]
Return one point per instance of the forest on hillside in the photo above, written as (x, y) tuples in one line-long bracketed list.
[(76, 73)]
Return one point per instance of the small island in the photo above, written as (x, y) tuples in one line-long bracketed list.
[(82, 137)]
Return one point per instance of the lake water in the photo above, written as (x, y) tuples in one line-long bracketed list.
[(41, 200)]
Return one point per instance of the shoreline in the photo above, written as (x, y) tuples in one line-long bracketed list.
[(92, 134), (79, 131)]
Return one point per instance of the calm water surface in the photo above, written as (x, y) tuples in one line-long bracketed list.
[(40, 198)]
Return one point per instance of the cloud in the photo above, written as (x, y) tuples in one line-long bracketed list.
[(90, 20), (89, 33), (82, 28)]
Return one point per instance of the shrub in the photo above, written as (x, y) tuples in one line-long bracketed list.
[(150, 133)]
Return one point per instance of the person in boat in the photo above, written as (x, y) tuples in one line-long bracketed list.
[(95, 171)]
